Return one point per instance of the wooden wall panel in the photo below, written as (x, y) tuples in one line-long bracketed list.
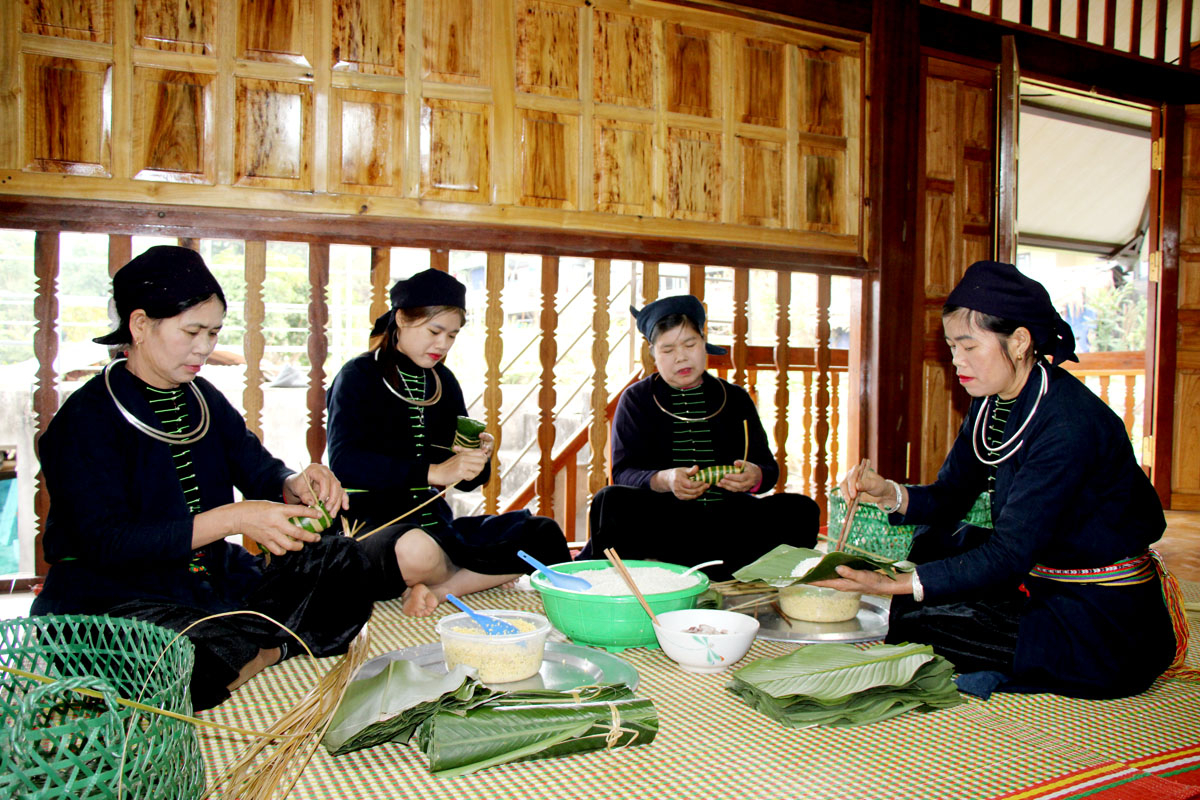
[(824, 205), (172, 126), (622, 64), (274, 134), (455, 162), (975, 185), (277, 31), (622, 164), (368, 134), (761, 69), (1189, 281), (975, 117), (940, 420), (181, 26), (694, 170), (692, 59), (546, 148), (822, 104), (547, 49), (368, 36), (66, 117), (457, 45), (940, 261), (1185, 472), (1189, 223), (941, 129), (760, 183), (85, 20)]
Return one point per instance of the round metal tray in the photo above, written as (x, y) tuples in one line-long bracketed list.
[(870, 624), (564, 666)]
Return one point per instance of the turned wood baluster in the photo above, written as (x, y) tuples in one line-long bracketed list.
[(783, 330), (696, 284), (318, 347), (598, 429), (440, 260), (493, 350), (835, 420), (548, 353), (821, 476), (1130, 381), (45, 348), (189, 243), (381, 273), (120, 250), (649, 295), (253, 342), (807, 442), (741, 296)]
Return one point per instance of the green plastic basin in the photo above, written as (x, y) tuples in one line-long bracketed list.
[(613, 622)]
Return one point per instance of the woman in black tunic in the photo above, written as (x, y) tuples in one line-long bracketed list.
[(141, 463), (1064, 594), (393, 412)]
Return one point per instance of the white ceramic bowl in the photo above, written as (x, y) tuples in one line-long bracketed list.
[(705, 652)]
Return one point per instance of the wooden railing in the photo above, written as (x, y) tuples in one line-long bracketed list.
[(1127, 370)]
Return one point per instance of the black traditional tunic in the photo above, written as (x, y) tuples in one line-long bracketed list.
[(119, 535), (737, 527), (382, 445), (1071, 497)]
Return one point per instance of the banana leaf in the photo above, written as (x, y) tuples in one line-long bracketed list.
[(496, 734), (391, 705), (776, 566), (467, 432), (314, 524)]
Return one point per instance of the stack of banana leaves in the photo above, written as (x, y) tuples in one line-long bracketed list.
[(779, 566), (841, 685), (463, 726)]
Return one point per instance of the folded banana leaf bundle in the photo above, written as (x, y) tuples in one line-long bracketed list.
[(840, 685), (714, 474), (778, 567), (513, 728), (467, 432)]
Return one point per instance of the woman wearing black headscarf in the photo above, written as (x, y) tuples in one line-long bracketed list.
[(1064, 594), (141, 463)]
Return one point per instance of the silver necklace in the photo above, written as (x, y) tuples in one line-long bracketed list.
[(187, 437), (978, 438), (413, 401), (724, 398)]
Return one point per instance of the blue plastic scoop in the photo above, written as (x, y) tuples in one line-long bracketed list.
[(562, 580), (490, 625)]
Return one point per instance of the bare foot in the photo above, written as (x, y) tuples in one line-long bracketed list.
[(420, 601), (510, 585)]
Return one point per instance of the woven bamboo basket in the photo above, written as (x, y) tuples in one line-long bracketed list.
[(872, 533), (56, 742)]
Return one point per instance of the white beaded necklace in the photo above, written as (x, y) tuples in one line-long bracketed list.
[(978, 438), (186, 437)]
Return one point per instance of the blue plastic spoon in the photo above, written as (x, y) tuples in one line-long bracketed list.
[(490, 625), (562, 580)]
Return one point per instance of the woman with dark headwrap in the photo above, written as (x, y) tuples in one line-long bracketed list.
[(141, 463), (393, 414), (1064, 595)]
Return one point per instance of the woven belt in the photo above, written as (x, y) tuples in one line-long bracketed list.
[(1129, 572)]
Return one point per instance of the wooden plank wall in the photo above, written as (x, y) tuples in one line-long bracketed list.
[(1185, 468), (626, 116), (955, 228)]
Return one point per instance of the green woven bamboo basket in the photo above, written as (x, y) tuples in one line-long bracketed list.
[(872, 533), (57, 743)]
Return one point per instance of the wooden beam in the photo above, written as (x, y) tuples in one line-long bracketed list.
[(55, 214)]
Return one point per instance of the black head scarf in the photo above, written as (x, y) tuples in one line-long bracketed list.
[(1002, 291), (684, 304), (430, 287), (164, 281)]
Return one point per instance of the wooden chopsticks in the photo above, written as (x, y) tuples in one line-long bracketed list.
[(849, 520), (615, 560)]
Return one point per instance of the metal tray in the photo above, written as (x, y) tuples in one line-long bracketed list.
[(870, 624), (564, 666)]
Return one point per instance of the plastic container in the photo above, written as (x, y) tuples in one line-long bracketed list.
[(705, 652), (818, 603), (502, 658), (613, 622)]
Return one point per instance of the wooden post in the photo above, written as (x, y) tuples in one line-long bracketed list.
[(120, 250), (253, 341), (493, 349), (741, 297), (440, 260), (381, 274), (45, 348), (318, 347), (649, 295), (696, 284), (783, 330), (548, 353), (598, 428)]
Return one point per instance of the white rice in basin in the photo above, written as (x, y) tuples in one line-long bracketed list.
[(650, 580)]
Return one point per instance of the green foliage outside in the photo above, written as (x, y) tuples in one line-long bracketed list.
[(1120, 319)]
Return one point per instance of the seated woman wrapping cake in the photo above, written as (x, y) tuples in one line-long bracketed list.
[(672, 435), (141, 463), (393, 417), (1064, 595)]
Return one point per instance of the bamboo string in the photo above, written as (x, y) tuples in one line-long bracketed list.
[(849, 520), (442, 493), (746, 438), (616, 561)]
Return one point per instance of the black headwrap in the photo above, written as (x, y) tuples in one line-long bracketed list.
[(684, 304), (1002, 291), (164, 281), (430, 287)]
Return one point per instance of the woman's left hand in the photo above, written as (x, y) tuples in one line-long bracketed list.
[(868, 582), (326, 485), (744, 481), (487, 443)]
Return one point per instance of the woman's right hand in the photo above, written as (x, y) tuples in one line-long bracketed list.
[(873, 486), (265, 522), (677, 481), (464, 465)]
